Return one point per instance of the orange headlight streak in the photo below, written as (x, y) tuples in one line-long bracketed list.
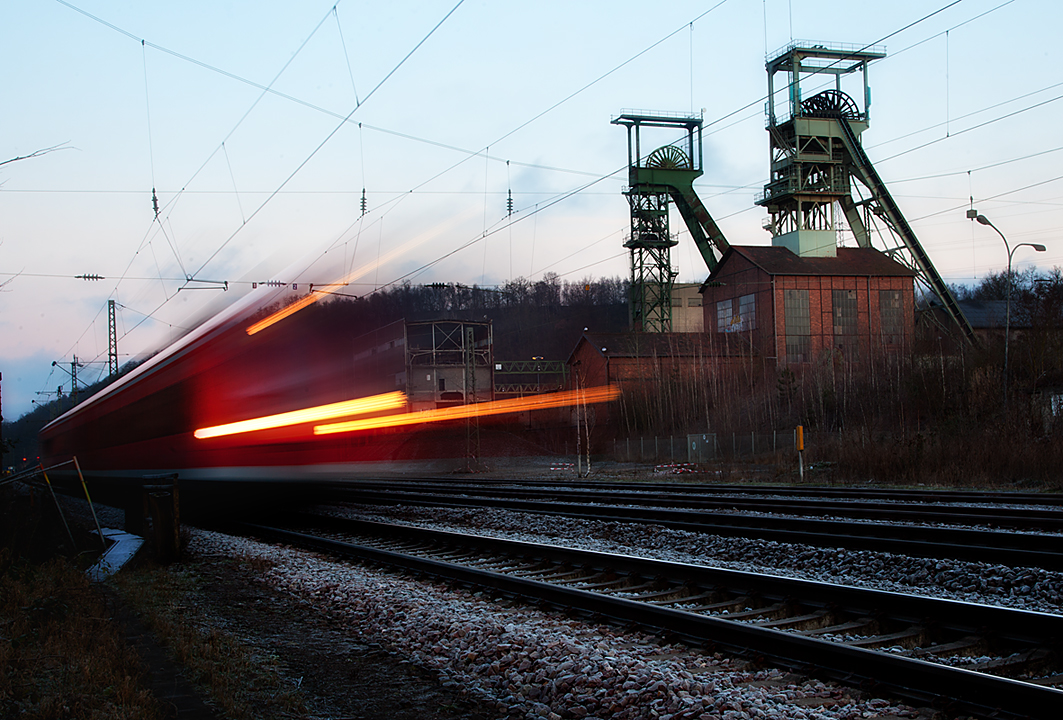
[(496, 407), (322, 290), (284, 312), (376, 403)]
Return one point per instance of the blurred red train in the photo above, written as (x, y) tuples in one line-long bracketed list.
[(297, 380)]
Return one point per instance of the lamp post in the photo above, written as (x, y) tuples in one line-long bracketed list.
[(982, 219)]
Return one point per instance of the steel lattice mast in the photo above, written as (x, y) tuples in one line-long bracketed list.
[(666, 174), (112, 341)]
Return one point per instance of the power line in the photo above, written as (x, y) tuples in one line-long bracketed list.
[(330, 135), (974, 127), (265, 89)]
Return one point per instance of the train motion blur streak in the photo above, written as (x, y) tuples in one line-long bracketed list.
[(288, 311), (225, 406), (347, 408), (566, 398)]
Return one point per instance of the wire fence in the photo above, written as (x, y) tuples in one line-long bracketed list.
[(704, 447)]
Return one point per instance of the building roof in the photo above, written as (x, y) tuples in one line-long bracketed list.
[(859, 262), (632, 344), (985, 314)]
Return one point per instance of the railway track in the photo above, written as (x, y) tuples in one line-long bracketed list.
[(710, 488), (983, 660), (1031, 537)]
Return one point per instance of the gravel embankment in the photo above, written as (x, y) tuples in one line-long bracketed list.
[(531, 664)]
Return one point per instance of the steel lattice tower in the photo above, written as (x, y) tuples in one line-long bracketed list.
[(112, 341), (665, 174), (818, 167), (652, 276)]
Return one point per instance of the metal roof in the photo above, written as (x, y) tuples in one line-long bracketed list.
[(859, 262)]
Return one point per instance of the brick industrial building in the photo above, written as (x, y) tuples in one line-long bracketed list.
[(796, 309)]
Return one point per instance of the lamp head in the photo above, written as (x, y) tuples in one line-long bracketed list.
[(1038, 247), (983, 220)]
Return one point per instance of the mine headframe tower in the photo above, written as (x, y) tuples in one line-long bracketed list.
[(663, 175), (818, 166)]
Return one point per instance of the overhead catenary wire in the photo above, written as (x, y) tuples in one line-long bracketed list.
[(486, 154), (265, 89), (364, 188), (346, 55), (147, 109), (474, 240), (236, 191), (328, 137)]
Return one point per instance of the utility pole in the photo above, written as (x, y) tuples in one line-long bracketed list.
[(74, 365), (472, 423), (112, 341)]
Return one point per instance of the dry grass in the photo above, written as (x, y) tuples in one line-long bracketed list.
[(902, 419), (986, 457), (60, 656), (241, 682)]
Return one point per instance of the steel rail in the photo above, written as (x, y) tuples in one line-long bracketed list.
[(914, 679), (1050, 519), (973, 545), (710, 487)]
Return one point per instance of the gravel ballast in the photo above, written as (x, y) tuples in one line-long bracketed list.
[(1021, 588), (525, 663)]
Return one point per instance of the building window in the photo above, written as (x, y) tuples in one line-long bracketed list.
[(747, 313), (844, 312), (723, 316), (694, 302), (891, 316), (798, 320), (845, 322), (736, 315)]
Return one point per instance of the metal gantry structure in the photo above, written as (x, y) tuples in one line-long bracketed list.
[(664, 175), (112, 341), (818, 166)]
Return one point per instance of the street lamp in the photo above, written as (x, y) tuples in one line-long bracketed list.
[(982, 219)]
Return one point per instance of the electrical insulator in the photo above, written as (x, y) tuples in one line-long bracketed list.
[(155, 203), (89, 276), (363, 201), (509, 203)]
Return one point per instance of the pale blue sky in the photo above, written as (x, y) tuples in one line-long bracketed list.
[(480, 91)]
